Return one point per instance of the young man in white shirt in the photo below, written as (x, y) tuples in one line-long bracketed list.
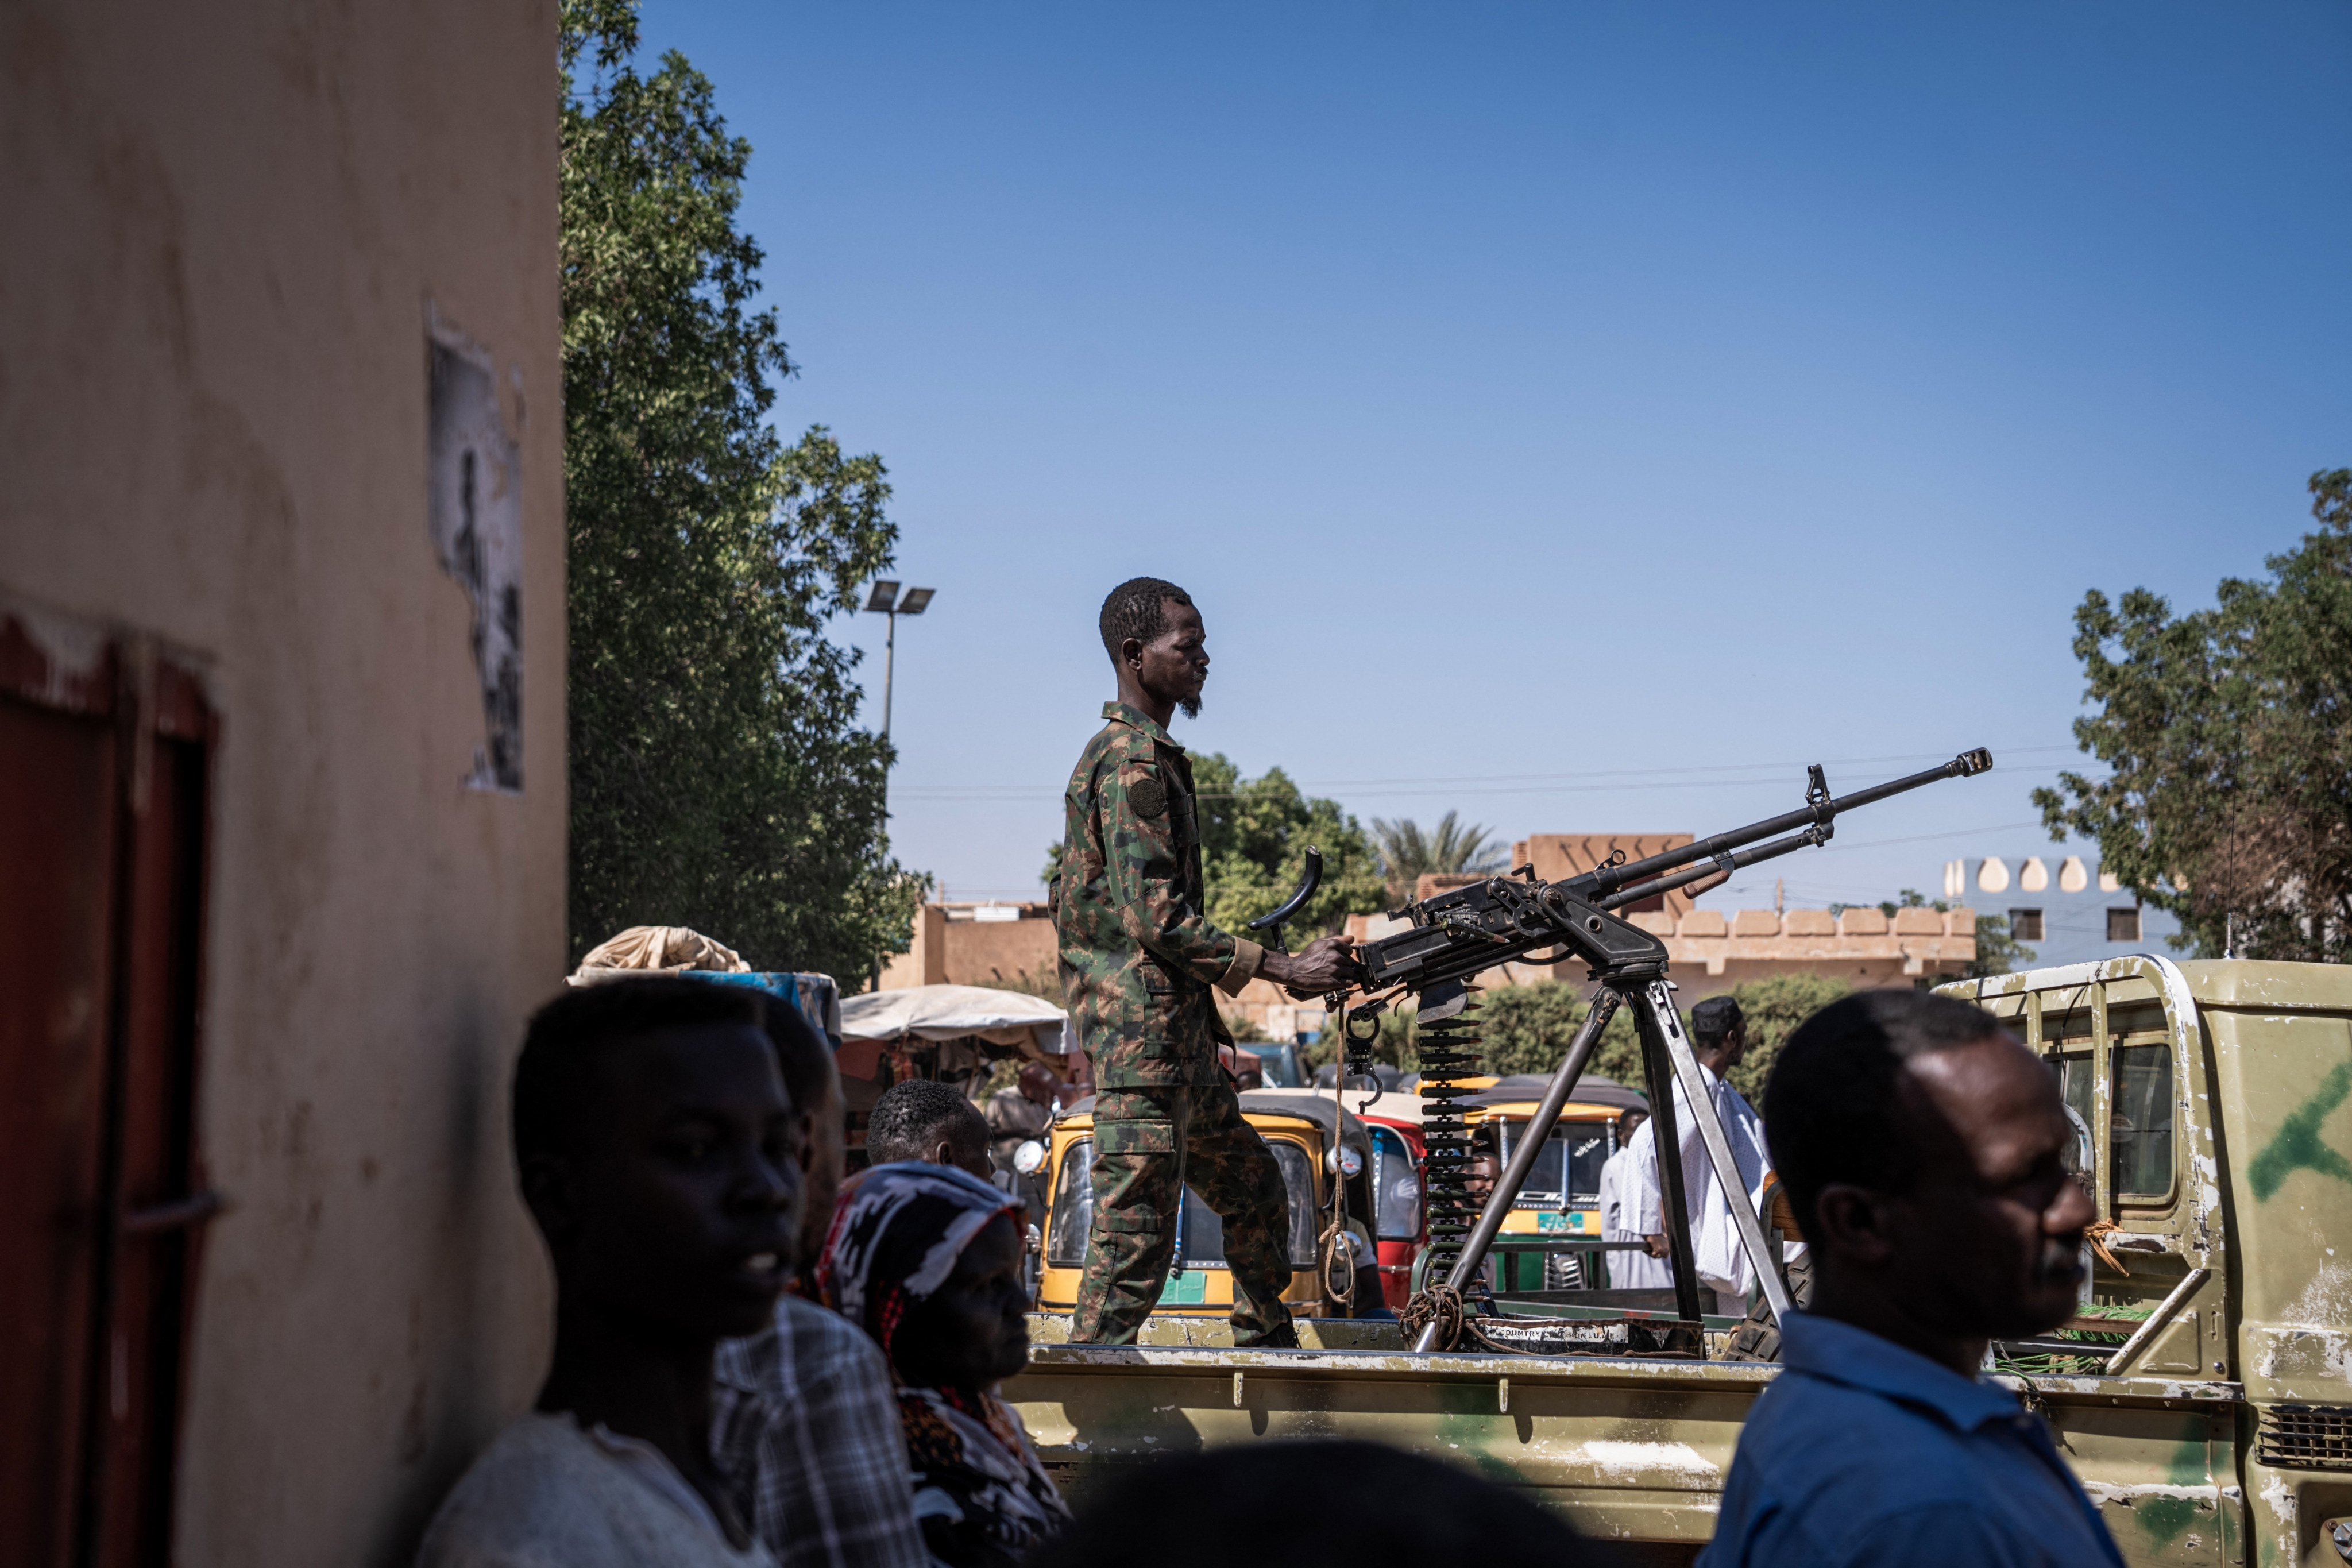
[(1631, 1267), (658, 1153)]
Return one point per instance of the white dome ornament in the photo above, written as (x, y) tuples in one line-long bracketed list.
[(2109, 882), (1992, 876), (2071, 878), (2034, 877)]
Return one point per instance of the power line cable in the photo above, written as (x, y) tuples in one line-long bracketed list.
[(1508, 783)]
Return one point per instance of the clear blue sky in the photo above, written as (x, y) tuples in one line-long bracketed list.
[(1550, 403)]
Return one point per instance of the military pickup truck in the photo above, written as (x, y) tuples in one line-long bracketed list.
[(2204, 1395)]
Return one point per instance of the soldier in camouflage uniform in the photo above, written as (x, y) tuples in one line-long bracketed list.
[(1137, 963)]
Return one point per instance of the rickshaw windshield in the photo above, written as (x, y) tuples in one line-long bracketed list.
[(1568, 1172), (1396, 1187), (1074, 1207), (1203, 1233)]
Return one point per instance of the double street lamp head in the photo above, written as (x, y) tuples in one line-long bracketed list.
[(883, 599)]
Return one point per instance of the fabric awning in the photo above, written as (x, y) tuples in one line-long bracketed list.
[(951, 1012)]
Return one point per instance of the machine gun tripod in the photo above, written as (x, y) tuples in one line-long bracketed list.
[(1460, 933)]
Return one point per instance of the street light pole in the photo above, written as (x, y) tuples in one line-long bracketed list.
[(889, 668), (883, 599)]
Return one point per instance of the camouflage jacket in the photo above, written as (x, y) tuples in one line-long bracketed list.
[(1138, 957)]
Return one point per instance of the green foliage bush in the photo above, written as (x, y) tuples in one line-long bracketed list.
[(1526, 1028)]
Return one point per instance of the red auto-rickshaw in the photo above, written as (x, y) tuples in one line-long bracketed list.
[(1400, 1221)]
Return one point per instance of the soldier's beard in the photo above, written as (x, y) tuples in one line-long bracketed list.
[(1190, 705)]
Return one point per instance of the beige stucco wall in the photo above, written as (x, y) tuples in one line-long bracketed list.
[(950, 948), (227, 228)]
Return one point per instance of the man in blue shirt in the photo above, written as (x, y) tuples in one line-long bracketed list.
[(1922, 1145)]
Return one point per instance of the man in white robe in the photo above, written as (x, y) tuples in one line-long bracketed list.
[(1718, 1039)]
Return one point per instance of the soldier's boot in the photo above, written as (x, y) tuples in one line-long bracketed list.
[(1284, 1338), (1260, 1265)]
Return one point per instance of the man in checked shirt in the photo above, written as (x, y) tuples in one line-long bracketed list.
[(1137, 963), (805, 1416)]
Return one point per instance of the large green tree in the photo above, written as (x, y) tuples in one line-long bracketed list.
[(2228, 734), (718, 779)]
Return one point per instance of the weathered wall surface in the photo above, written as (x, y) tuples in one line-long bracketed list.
[(229, 231), (950, 948)]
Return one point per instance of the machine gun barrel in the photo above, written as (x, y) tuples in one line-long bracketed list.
[(1719, 850), (1728, 861), (1458, 933)]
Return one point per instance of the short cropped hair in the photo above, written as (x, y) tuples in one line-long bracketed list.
[(569, 1037), (1137, 608), (1243, 1503), (912, 1116), (1833, 1108), (1715, 1018)]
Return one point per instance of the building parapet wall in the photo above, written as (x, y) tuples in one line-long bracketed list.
[(1920, 943)]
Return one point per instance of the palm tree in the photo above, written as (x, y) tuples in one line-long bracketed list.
[(1406, 853)]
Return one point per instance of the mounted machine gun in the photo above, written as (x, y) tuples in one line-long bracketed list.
[(1516, 918)]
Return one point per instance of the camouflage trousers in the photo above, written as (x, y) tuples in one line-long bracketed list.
[(1150, 1143)]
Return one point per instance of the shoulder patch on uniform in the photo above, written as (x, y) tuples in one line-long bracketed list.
[(1148, 797)]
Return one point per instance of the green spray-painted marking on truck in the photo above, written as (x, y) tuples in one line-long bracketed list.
[(2297, 1146), (2167, 1518)]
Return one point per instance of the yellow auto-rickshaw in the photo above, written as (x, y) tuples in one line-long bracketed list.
[(1302, 1127), (1560, 1204)]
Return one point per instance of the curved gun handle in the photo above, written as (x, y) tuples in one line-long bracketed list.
[(1293, 904)]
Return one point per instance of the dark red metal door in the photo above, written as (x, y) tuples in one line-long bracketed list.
[(102, 775)]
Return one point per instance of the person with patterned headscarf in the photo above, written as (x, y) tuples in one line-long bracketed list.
[(926, 1259)]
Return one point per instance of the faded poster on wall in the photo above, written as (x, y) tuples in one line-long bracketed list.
[(474, 475)]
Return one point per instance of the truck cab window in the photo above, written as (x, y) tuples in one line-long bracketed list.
[(2073, 1071), (2142, 1129)]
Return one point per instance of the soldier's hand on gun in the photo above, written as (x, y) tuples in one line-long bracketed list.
[(1324, 965)]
